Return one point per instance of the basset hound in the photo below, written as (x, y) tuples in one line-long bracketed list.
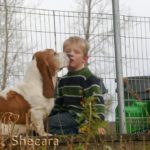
[(34, 95)]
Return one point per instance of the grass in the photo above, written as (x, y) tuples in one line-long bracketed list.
[(88, 139), (77, 142)]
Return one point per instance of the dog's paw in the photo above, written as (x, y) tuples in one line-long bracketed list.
[(46, 134)]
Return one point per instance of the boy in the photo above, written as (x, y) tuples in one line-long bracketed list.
[(79, 83)]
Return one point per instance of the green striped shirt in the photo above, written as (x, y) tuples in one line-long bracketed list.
[(76, 86)]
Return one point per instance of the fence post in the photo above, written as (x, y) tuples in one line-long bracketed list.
[(118, 62)]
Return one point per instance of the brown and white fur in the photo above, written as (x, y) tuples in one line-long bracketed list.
[(35, 94)]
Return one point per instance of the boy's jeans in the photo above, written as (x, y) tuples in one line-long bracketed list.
[(62, 123)]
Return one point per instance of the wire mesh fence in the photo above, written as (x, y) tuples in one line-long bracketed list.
[(29, 30)]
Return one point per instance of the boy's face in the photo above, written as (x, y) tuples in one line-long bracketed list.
[(76, 55)]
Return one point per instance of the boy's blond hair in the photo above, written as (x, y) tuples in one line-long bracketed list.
[(78, 40)]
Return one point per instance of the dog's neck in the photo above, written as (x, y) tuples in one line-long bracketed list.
[(33, 74)]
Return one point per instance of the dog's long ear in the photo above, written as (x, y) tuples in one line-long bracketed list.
[(47, 72), (48, 87)]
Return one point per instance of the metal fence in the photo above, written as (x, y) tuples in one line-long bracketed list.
[(29, 30)]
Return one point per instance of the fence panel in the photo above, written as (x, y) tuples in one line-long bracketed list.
[(30, 30)]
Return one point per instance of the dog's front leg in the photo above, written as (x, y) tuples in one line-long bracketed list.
[(37, 118)]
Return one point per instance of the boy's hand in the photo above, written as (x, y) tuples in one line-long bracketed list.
[(101, 131)]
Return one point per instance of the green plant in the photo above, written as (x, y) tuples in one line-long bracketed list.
[(90, 117)]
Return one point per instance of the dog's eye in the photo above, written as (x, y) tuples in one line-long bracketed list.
[(55, 53)]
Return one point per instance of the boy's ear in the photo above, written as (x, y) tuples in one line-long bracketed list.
[(86, 57)]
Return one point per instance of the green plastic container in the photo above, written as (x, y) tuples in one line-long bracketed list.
[(136, 114)]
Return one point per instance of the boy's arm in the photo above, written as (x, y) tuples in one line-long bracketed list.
[(59, 96), (100, 105), (96, 88), (58, 100)]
